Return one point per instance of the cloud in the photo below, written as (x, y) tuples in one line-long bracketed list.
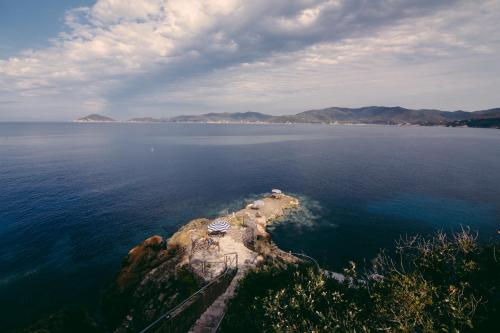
[(195, 54)]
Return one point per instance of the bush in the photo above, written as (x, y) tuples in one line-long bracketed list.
[(437, 284)]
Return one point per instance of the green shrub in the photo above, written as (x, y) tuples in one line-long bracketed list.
[(437, 284)]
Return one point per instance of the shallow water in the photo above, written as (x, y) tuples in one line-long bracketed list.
[(74, 198)]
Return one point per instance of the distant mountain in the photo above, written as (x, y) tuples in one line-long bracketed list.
[(225, 117), (366, 115), (384, 115), (94, 118)]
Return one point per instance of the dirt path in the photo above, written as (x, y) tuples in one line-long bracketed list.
[(245, 222)]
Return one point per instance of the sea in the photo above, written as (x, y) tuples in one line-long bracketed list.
[(74, 198)]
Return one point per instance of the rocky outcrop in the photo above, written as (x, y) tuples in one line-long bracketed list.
[(149, 283), (157, 275)]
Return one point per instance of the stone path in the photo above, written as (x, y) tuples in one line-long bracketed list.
[(246, 259), (209, 320), (233, 243)]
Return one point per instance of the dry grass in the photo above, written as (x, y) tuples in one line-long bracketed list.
[(237, 221), (193, 230)]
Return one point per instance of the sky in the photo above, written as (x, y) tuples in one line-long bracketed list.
[(63, 59)]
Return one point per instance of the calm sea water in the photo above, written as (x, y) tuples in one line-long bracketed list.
[(74, 198)]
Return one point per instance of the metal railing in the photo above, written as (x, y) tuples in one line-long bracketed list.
[(205, 264), (216, 328), (221, 280), (231, 258), (308, 258)]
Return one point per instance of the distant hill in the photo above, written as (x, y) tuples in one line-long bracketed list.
[(365, 115), (487, 114), (95, 118), (225, 117), (480, 123), (335, 115), (384, 115)]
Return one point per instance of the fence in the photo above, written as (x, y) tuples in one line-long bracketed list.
[(307, 258), (182, 317), (230, 259)]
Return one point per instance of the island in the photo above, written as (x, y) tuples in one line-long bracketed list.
[(94, 118)]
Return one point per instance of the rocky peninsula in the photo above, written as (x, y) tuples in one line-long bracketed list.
[(158, 274)]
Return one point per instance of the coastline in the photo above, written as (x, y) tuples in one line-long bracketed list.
[(275, 123)]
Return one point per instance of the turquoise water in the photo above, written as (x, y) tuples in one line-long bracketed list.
[(74, 198), (434, 210)]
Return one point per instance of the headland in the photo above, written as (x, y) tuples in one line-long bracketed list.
[(158, 275)]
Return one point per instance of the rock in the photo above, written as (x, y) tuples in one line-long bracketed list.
[(139, 261), (153, 241), (149, 269)]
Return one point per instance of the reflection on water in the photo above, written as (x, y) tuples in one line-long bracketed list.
[(234, 140)]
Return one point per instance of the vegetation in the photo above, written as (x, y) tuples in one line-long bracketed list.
[(364, 115), (149, 284), (481, 123), (438, 284)]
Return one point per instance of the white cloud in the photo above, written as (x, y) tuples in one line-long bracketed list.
[(237, 54)]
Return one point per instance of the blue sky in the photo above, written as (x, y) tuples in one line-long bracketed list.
[(32, 23), (125, 58)]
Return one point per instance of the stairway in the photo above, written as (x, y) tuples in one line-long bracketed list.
[(210, 319)]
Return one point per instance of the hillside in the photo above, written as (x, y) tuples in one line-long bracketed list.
[(364, 115), (225, 117), (94, 118), (384, 115)]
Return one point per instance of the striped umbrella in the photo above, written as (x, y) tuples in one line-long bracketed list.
[(219, 226)]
